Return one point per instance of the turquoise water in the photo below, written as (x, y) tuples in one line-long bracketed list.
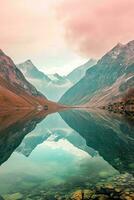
[(62, 153)]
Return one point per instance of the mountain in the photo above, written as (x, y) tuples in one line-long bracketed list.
[(106, 81), (30, 71), (53, 85), (78, 73), (15, 90)]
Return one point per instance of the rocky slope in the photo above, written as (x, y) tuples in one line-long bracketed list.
[(15, 90), (106, 81), (123, 105), (53, 85)]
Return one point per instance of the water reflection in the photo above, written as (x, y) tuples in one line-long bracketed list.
[(43, 154), (14, 127), (53, 128), (111, 136)]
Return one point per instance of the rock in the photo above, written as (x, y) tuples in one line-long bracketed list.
[(127, 193), (78, 195), (101, 197), (15, 196), (88, 194), (109, 186), (116, 197), (126, 197), (57, 197), (1, 198), (118, 190), (132, 195)]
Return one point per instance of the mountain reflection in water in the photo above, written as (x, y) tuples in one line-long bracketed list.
[(112, 137), (43, 155)]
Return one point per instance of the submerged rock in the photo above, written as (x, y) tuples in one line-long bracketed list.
[(15, 196), (78, 195), (1, 198)]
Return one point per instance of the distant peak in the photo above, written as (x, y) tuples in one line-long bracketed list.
[(1, 52), (131, 43), (56, 74), (119, 45), (28, 61), (92, 60), (116, 49)]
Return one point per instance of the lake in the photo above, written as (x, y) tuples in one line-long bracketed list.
[(72, 154)]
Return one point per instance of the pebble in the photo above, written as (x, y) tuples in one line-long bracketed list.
[(78, 195)]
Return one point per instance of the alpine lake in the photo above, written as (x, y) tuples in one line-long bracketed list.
[(68, 155)]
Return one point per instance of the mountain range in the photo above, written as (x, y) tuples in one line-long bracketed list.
[(53, 85), (15, 90), (105, 82), (94, 84)]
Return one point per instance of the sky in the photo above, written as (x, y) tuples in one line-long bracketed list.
[(59, 35)]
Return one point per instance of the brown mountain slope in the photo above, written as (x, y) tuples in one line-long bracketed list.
[(16, 91)]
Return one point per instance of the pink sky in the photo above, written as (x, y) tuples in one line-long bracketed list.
[(57, 34), (94, 26)]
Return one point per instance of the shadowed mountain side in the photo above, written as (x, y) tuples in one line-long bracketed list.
[(78, 73), (111, 137), (108, 79), (14, 128)]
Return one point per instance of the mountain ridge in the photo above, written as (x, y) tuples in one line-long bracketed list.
[(15, 90), (110, 68), (53, 85)]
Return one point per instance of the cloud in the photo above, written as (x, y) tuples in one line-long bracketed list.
[(28, 28), (92, 27)]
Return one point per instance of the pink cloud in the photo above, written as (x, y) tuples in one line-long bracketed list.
[(93, 27), (27, 28)]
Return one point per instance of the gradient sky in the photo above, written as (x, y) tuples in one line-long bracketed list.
[(58, 35)]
